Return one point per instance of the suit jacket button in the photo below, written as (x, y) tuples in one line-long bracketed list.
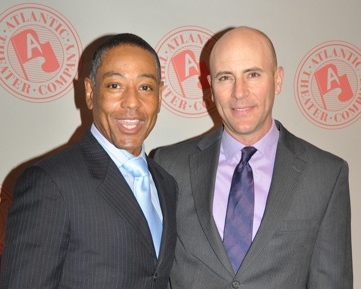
[(155, 276), (236, 284)]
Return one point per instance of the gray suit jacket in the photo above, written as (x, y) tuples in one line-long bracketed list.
[(304, 240), (75, 223)]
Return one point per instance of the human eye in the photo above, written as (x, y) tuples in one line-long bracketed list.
[(113, 86), (145, 87), (254, 74), (223, 78)]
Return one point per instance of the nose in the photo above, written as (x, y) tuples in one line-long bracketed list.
[(130, 98), (240, 89)]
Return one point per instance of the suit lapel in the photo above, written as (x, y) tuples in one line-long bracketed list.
[(203, 167), (117, 193), (286, 178), (114, 188), (168, 207)]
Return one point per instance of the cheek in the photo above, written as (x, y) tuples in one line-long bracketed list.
[(264, 93), (152, 107), (152, 118), (106, 105), (268, 101), (103, 112), (221, 94)]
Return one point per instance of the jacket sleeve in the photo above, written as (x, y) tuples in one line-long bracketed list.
[(331, 263), (36, 234)]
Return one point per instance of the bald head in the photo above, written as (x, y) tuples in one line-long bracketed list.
[(245, 79), (241, 38)]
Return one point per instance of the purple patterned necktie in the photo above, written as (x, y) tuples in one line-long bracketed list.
[(239, 217)]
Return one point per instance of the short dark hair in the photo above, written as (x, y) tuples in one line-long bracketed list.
[(121, 40)]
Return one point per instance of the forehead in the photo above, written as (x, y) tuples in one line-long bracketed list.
[(242, 49), (128, 56)]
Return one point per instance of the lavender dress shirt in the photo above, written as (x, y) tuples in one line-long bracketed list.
[(262, 163)]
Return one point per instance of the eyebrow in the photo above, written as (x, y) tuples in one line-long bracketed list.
[(251, 69), (143, 75)]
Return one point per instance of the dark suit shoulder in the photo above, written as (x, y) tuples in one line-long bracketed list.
[(305, 149), (81, 159), (155, 168), (61, 158), (190, 146)]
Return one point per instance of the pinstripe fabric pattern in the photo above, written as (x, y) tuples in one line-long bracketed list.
[(75, 223)]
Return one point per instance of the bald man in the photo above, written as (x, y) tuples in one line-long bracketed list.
[(297, 221)]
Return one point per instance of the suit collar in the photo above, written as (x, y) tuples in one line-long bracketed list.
[(167, 199), (287, 175), (286, 178), (113, 187), (205, 163)]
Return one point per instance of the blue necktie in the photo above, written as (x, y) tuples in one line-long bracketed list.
[(239, 217), (139, 169)]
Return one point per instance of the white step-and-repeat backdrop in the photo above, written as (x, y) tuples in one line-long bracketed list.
[(45, 47)]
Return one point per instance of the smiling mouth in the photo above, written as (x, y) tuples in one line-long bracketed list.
[(129, 123), (242, 109)]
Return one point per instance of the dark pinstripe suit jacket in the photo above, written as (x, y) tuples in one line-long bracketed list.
[(75, 224), (304, 240)]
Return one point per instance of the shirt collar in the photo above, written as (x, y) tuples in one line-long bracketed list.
[(266, 145), (119, 156)]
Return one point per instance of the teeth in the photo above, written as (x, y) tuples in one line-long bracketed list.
[(245, 108), (130, 120), (240, 109), (130, 123)]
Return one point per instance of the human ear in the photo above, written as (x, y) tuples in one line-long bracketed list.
[(88, 92)]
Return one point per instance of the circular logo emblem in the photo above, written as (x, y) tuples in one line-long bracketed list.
[(327, 85), (39, 53), (184, 54)]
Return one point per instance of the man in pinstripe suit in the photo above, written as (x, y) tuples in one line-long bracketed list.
[(75, 222)]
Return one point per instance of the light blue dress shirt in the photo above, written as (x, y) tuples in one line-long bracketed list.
[(119, 157)]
